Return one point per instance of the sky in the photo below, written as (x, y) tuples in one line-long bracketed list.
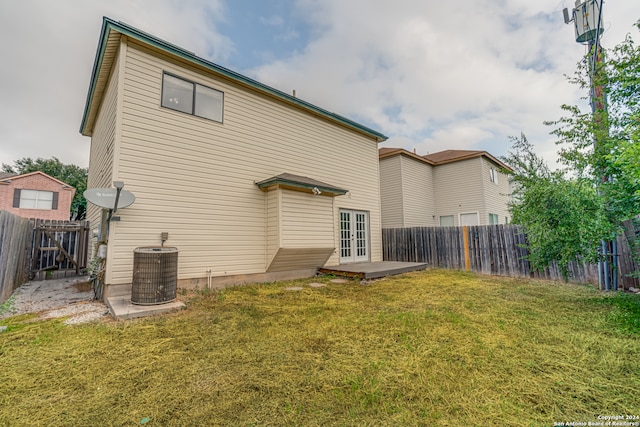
[(432, 75)]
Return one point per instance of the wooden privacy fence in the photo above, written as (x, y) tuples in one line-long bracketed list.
[(489, 249), (59, 248), (33, 249), (15, 241)]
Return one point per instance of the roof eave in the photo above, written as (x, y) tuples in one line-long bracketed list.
[(403, 152), (97, 65), (109, 24), (471, 156)]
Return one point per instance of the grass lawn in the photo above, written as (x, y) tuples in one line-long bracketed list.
[(428, 348)]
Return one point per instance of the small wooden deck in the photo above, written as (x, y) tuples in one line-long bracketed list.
[(373, 270)]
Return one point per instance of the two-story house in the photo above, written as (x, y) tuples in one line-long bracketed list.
[(248, 182), (36, 195), (448, 188)]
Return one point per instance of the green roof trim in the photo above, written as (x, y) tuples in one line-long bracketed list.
[(109, 25), (301, 183)]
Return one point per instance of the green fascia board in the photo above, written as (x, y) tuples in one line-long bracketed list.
[(109, 24), (298, 184), (97, 63)]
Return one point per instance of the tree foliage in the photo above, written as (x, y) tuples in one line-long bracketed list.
[(563, 217), (604, 145), (566, 213), (70, 174)]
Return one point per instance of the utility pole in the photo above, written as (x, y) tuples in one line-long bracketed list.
[(587, 19)]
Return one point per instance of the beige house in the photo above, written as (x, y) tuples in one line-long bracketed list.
[(250, 183), (449, 188)]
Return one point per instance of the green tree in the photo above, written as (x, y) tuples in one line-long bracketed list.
[(70, 174), (563, 218), (567, 213), (604, 146)]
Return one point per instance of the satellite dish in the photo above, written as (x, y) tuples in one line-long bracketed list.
[(106, 197)]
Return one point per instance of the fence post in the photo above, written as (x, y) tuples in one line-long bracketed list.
[(467, 258)]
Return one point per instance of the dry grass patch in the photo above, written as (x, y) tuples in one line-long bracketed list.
[(430, 348)]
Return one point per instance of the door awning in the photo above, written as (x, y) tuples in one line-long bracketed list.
[(300, 183)]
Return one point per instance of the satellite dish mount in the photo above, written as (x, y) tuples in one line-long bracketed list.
[(119, 186), (110, 198)]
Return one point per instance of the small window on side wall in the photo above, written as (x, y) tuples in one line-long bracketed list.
[(191, 98), (493, 175), (446, 221), (493, 219)]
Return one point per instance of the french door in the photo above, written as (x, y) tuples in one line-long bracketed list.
[(354, 236)]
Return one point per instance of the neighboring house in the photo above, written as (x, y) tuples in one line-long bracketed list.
[(36, 195), (449, 188), (250, 183)]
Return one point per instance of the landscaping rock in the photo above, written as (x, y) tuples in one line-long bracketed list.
[(317, 285), (339, 281), (293, 288)]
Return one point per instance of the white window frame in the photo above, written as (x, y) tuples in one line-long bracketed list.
[(453, 221), (461, 214), (493, 175), (39, 199), (494, 219)]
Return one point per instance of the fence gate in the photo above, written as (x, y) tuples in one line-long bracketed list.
[(59, 249)]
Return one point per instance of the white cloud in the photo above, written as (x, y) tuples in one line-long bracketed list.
[(51, 45), (431, 75), (437, 75)]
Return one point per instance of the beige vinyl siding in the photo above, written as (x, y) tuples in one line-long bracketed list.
[(102, 143), (391, 192), (307, 220), (306, 231), (458, 187), (273, 218), (194, 178), (417, 190), (496, 196)]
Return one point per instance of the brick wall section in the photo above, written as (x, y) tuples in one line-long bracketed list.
[(36, 181)]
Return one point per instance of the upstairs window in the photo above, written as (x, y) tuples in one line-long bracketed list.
[(35, 199), (493, 175), (191, 98)]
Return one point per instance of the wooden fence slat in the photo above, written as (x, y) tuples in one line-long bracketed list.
[(25, 249), (15, 235), (499, 249)]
